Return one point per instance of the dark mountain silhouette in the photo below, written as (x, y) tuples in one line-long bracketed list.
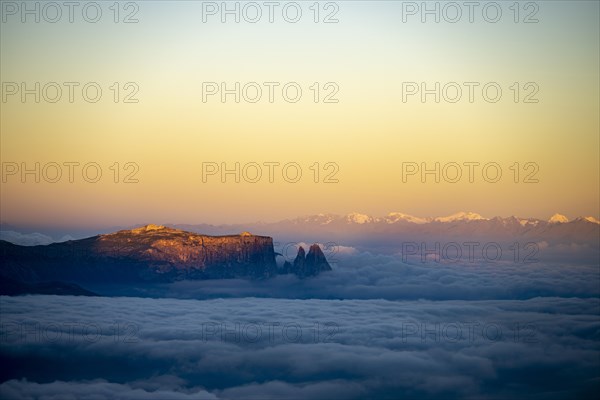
[(308, 265)]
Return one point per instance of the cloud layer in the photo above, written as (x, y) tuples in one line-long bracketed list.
[(376, 276), (374, 327), (276, 348)]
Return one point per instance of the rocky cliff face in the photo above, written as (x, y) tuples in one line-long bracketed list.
[(189, 255), (308, 265), (151, 253)]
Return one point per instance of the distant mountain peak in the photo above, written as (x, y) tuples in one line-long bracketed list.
[(527, 221), (394, 217), (558, 219), (358, 218), (461, 216), (315, 251)]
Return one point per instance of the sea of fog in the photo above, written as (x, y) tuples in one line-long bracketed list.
[(375, 327)]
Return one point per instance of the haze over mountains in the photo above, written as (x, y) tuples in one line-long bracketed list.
[(387, 234), (558, 237), (395, 218)]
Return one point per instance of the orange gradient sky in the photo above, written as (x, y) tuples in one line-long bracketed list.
[(369, 133)]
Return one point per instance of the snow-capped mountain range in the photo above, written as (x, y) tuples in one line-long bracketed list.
[(398, 217), (390, 231)]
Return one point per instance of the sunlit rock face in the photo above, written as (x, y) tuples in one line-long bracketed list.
[(150, 253), (180, 254)]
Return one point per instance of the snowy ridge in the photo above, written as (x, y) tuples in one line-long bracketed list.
[(558, 219), (356, 218), (461, 216)]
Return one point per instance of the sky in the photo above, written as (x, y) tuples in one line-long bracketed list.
[(161, 156)]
